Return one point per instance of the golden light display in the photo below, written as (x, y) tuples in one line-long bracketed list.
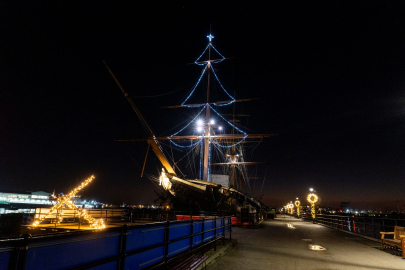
[(291, 208), (64, 200), (164, 181), (297, 204), (312, 199)]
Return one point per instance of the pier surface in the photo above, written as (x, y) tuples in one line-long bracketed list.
[(274, 245)]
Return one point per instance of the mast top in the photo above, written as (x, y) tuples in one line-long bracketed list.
[(210, 37)]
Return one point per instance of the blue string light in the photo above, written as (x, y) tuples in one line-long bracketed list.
[(186, 146), (201, 56), (227, 120), (195, 86), (223, 57), (194, 106), (188, 123), (229, 146), (224, 104), (213, 71)]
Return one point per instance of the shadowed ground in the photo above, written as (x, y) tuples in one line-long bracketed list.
[(276, 246)]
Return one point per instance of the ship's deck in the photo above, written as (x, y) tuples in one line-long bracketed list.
[(274, 245)]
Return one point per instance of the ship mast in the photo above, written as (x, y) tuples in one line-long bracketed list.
[(207, 118)]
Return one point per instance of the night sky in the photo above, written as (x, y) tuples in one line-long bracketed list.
[(329, 75)]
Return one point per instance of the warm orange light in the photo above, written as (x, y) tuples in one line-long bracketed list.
[(65, 200)]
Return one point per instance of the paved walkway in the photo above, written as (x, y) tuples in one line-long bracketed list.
[(276, 246)]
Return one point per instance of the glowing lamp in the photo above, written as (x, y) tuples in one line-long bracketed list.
[(297, 204), (312, 199), (200, 122), (64, 200), (164, 181), (212, 121), (199, 129), (220, 128)]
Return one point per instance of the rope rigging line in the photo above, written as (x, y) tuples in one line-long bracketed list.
[(213, 71), (229, 146), (227, 120), (195, 86), (205, 105), (187, 153), (263, 180)]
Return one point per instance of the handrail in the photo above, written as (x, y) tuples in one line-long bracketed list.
[(18, 248), (362, 225)]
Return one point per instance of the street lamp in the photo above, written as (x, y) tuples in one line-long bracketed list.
[(291, 207), (297, 204), (312, 199)]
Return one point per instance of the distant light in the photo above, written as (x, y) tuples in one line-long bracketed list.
[(311, 189), (220, 128), (297, 198), (200, 122), (212, 121), (199, 129)]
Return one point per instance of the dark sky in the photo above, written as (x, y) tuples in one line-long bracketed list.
[(329, 75)]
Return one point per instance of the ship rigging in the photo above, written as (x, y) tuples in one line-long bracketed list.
[(215, 159)]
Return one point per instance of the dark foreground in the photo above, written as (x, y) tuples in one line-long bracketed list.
[(276, 246)]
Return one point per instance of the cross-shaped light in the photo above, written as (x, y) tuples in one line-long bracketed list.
[(63, 200), (210, 37)]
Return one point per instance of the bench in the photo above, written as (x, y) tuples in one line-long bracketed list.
[(398, 241), (191, 263)]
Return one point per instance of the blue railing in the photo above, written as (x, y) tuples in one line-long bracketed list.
[(127, 247)]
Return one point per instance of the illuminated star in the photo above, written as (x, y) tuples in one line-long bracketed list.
[(210, 37)]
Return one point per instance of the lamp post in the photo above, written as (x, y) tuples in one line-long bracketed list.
[(297, 204), (312, 199), (291, 208)]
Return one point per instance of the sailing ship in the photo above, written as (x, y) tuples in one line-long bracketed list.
[(215, 149)]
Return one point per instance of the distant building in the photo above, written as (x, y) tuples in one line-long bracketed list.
[(346, 207), (17, 201)]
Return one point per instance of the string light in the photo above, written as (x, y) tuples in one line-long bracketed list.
[(312, 199), (291, 206), (186, 146), (164, 181), (228, 146), (64, 200), (188, 123), (213, 71), (227, 120), (201, 56), (195, 86), (297, 204), (223, 57)]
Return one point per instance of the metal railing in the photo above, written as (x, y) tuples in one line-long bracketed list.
[(128, 247), (367, 226)]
